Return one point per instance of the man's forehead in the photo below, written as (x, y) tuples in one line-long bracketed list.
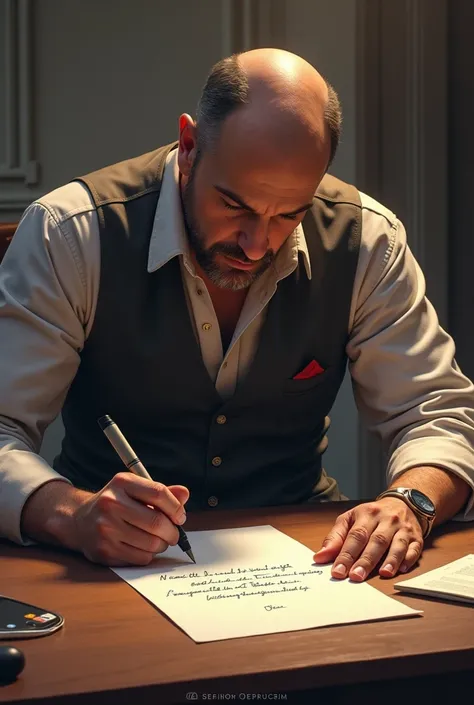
[(290, 166), (273, 129), (262, 179)]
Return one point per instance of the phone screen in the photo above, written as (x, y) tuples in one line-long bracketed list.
[(22, 617)]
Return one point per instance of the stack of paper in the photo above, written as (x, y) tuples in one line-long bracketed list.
[(453, 581)]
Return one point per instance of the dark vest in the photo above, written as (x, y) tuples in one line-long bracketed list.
[(142, 364)]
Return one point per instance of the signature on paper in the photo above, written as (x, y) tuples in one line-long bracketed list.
[(269, 608)]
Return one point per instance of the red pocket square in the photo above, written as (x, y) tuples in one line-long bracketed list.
[(313, 369)]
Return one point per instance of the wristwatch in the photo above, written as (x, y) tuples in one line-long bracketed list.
[(419, 503)]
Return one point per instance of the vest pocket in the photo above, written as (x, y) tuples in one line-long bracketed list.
[(300, 386)]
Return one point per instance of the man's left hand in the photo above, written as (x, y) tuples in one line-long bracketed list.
[(364, 535)]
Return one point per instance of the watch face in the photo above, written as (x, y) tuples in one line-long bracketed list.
[(423, 502)]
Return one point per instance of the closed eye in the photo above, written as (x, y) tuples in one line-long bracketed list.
[(230, 206), (286, 216)]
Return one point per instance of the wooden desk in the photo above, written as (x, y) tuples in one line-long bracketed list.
[(7, 230), (116, 648)]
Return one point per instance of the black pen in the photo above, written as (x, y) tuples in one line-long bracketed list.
[(131, 461)]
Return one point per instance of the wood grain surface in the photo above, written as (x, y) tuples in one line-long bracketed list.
[(117, 648), (7, 230)]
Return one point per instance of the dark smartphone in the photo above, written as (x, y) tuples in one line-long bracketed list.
[(20, 619)]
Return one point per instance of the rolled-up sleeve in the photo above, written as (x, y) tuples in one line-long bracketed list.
[(45, 307), (406, 382)]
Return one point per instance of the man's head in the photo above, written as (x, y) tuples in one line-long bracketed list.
[(267, 129)]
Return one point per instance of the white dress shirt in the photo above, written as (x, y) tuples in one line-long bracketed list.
[(406, 383)]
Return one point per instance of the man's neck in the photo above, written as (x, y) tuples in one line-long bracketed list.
[(227, 304)]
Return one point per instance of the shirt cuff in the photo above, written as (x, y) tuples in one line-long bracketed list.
[(445, 453), (21, 473)]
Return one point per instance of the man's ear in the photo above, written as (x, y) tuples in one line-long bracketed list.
[(187, 148)]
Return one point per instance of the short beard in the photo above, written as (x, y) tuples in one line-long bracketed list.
[(232, 279)]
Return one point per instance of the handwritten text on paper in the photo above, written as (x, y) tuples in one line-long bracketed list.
[(238, 583)]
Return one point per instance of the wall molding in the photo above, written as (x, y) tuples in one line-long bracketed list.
[(402, 146), (15, 201), (20, 167)]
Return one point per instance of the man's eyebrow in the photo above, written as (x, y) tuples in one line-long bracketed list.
[(234, 197), (306, 207)]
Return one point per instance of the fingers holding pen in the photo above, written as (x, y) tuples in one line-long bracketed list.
[(168, 500), (153, 507), (130, 520)]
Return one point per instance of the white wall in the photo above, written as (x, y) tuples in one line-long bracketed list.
[(112, 76)]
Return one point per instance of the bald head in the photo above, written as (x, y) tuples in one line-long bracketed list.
[(273, 90), (285, 81)]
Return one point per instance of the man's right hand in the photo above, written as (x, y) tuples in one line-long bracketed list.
[(126, 523)]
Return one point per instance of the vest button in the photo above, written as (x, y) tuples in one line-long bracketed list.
[(216, 461), (221, 419), (206, 326), (213, 501)]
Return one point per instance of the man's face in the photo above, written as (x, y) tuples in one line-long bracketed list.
[(242, 200)]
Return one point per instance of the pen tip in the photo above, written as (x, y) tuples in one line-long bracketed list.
[(191, 555)]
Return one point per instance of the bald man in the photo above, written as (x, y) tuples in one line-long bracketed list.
[(208, 296)]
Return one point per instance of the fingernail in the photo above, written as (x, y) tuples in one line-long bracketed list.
[(181, 518), (340, 570), (360, 572), (388, 568), (403, 568)]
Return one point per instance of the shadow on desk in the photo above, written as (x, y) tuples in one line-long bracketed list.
[(73, 567), (432, 690), (451, 529)]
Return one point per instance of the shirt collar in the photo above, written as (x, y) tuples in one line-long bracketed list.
[(168, 236), (169, 239)]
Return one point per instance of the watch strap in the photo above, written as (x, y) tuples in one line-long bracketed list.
[(425, 520)]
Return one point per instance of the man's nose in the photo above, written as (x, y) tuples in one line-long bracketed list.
[(254, 240)]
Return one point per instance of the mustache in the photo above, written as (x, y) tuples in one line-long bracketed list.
[(237, 253)]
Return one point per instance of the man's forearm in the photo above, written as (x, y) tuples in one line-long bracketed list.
[(447, 491), (48, 514)]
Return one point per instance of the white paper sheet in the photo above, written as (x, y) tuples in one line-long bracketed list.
[(453, 581), (254, 580)]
